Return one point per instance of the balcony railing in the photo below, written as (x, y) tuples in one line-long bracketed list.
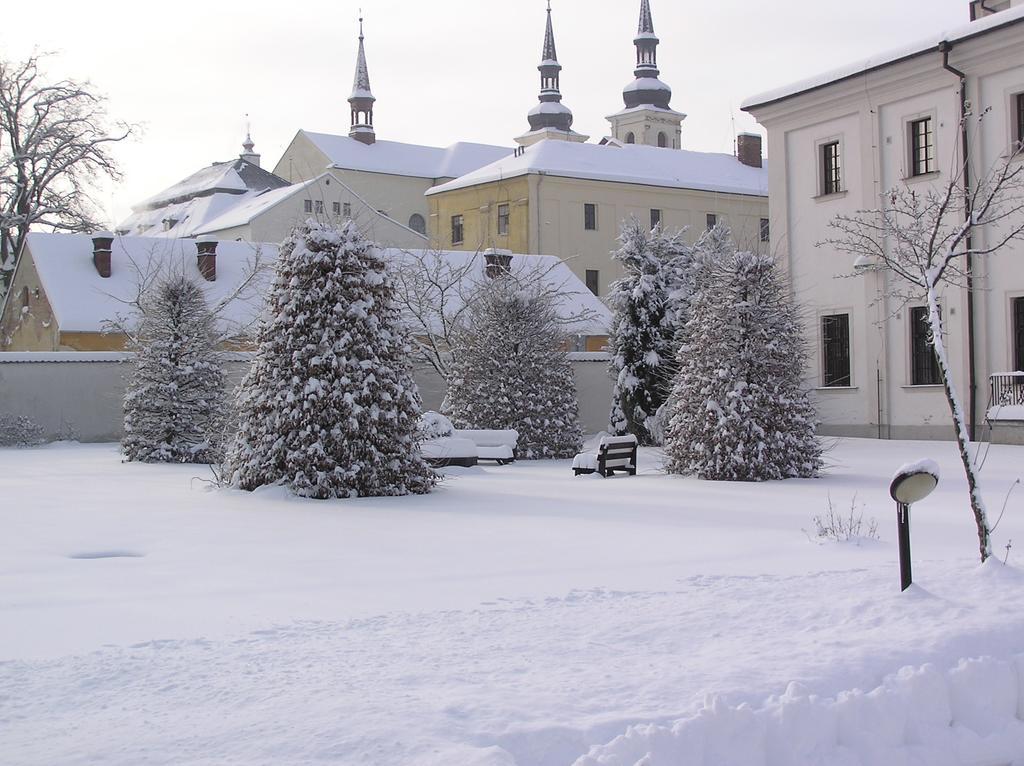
[(1007, 389)]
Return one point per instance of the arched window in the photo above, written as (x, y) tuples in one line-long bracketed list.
[(418, 224), (662, 140), (630, 138)]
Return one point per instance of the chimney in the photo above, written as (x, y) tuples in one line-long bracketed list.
[(497, 262), (102, 242), (748, 149), (206, 258)]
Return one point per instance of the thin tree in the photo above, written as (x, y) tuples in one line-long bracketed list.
[(55, 141), (927, 239), (329, 407), (174, 404)]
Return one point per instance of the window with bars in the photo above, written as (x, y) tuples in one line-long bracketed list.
[(835, 342), (922, 147), (319, 206), (710, 221), (307, 206), (503, 217), (336, 208), (831, 169), (1018, 127), (766, 232), (590, 216), (1018, 334), (594, 281), (655, 218), (456, 229), (346, 209), (924, 367)]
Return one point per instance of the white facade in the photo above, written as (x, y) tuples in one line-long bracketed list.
[(869, 111)]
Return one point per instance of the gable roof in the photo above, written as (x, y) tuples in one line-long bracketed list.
[(887, 58), (232, 177), (628, 163), (395, 158)]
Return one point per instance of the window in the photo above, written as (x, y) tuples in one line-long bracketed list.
[(320, 206), (922, 147), (593, 281), (346, 209), (24, 297), (307, 206), (711, 220), (502, 220), (924, 368), (1018, 127), (336, 208), (456, 229), (662, 140), (630, 138), (835, 342), (590, 216), (418, 224), (766, 231), (831, 169), (1018, 334), (655, 218)]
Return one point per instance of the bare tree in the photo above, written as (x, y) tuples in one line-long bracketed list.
[(54, 146), (927, 239)]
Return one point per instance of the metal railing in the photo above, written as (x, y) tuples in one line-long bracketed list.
[(1007, 389)]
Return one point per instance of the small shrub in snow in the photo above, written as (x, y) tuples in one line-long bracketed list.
[(738, 410), (510, 370), (330, 407), (175, 399), (434, 425), (845, 527), (20, 431)]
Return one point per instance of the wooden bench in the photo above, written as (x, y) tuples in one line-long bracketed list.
[(614, 453)]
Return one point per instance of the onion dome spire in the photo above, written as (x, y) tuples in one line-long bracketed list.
[(362, 98), (550, 112), (646, 89), (248, 146)]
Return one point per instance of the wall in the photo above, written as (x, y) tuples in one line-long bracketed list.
[(82, 393), (478, 206), (34, 329)]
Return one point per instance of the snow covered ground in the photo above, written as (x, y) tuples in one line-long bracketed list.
[(517, 615)]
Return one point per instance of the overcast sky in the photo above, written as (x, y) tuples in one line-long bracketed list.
[(442, 70)]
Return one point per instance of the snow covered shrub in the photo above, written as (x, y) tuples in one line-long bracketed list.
[(20, 431), (434, 425), (330, 407), (647, 304), (510, 370), (738, 409), (843, 527), (175, 398)]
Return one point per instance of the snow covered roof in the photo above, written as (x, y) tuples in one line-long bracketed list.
[(82, 301), (232, 177), (401, 159), (917, 48), (631, 163)]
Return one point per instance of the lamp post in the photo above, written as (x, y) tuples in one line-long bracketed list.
[(912, 483)]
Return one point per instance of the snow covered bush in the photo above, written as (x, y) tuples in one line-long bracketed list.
[(175, 399), (434, 425), (845, 527), (330, 407), (738, 409), (647, 304), (510, 370), (20, 431)]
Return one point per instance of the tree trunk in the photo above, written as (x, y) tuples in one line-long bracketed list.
[(960, 425)]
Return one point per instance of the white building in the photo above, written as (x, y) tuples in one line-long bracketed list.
[(837, 142)]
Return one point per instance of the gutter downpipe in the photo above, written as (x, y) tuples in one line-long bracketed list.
[(945, 47)]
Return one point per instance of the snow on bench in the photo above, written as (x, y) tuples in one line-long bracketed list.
[(614, 453), (442, 444)]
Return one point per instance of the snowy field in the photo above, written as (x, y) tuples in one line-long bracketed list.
[(517, 615)]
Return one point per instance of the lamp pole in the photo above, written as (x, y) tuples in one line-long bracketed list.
[(912, 483)]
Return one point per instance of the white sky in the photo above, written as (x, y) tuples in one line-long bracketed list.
[(442, 70)]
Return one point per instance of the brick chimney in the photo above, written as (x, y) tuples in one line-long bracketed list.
[(748, 149), (102, 242), (497, 262), (206, 258)]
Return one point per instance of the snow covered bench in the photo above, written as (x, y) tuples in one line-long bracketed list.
[(614, 453), (449, 450), (499, 446)]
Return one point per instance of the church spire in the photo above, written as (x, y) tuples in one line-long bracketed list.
[(550, 116), (362, 98), (646, 89), (248, 147)]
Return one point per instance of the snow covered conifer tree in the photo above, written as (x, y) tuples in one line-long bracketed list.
[(510, 370), (175, 399), (330, 408), (738, 410), (648, 303)]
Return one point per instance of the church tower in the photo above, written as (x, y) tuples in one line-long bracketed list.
[(550, 118), (648, 118), (362, 99)]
